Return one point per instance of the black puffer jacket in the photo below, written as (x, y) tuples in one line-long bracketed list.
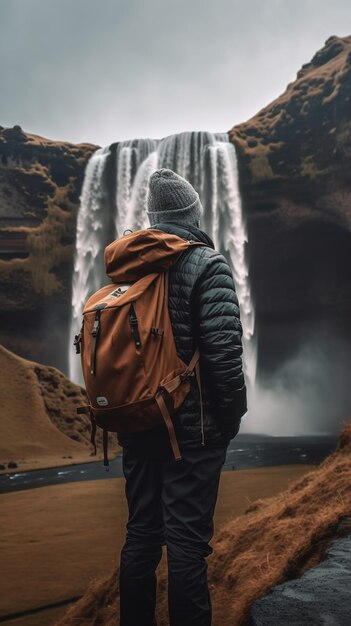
[(204, 312)]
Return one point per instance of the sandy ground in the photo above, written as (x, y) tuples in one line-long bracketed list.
[(39, 426), (56, 539)]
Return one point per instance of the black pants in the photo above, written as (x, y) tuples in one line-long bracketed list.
[(170, 503)]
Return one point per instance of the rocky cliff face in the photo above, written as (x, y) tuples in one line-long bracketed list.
[(295, 164), (40, 182)]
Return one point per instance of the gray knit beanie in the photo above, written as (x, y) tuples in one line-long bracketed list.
[(172, 199)]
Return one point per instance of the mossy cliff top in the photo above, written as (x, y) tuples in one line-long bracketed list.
[(305, 134), (294, 161)]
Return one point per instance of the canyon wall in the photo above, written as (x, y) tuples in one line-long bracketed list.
[(40, 183), (295, 172)]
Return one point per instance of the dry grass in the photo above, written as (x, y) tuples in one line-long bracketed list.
[(294, 136), (39, 426), (276, 539), (279, 538)]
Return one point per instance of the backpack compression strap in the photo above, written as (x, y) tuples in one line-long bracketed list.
[(171, 386), (198, 379), (167, 418), (86, 410)]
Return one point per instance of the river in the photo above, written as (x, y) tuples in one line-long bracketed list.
[(244, 452)]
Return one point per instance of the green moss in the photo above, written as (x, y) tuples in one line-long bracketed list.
[(45, 248), (260, 168), (308, 168), (343, 136)]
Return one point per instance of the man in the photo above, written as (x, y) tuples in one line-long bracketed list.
[(172, 502)]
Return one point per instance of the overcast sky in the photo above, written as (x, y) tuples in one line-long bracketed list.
[(106, 70)]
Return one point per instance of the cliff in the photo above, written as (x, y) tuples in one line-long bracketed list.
[(295, 164), (40, 182)]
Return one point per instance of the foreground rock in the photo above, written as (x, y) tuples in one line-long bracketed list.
[(321, 596), (38, 422)]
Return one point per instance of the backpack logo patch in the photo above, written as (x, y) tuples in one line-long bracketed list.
[(119, 291), (102, 401)]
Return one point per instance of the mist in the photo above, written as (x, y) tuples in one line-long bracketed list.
[(310, 394)]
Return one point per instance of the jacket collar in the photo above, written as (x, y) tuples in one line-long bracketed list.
[(186, 231)]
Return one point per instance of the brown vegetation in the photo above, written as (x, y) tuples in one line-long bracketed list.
[(305, 132), (274, 540), (39, 425)]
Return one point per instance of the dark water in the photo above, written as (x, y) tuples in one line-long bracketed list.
[(261, 451), (244, 452)]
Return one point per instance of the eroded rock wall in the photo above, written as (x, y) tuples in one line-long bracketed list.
[(295, 164), (40, 183)]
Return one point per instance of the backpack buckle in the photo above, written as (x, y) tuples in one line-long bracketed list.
[(77, 342), (186, 375), (157, 332)]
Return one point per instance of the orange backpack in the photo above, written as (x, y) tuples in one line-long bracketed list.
[(134, 378)]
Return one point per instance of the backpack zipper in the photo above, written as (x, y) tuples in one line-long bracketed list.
[(95, 333), (78, 339), (134, 323), (95, 336), (198, 379)]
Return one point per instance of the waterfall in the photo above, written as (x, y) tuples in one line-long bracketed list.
[(89, 270), (209, 162)]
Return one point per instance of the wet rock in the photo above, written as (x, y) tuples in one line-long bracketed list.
[(320, 597)]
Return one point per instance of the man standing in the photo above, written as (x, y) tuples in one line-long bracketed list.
[(172, 502)]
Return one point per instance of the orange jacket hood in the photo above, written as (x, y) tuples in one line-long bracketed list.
[(143, 252)]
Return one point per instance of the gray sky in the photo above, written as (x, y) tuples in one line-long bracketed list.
[(107, 70)]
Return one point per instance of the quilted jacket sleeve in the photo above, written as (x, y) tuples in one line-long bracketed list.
[(218, 331)]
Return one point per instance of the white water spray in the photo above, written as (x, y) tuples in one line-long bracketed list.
[(208, 161), (89, 272)]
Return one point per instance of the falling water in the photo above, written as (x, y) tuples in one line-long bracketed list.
[(209, 162), (89, 271)]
